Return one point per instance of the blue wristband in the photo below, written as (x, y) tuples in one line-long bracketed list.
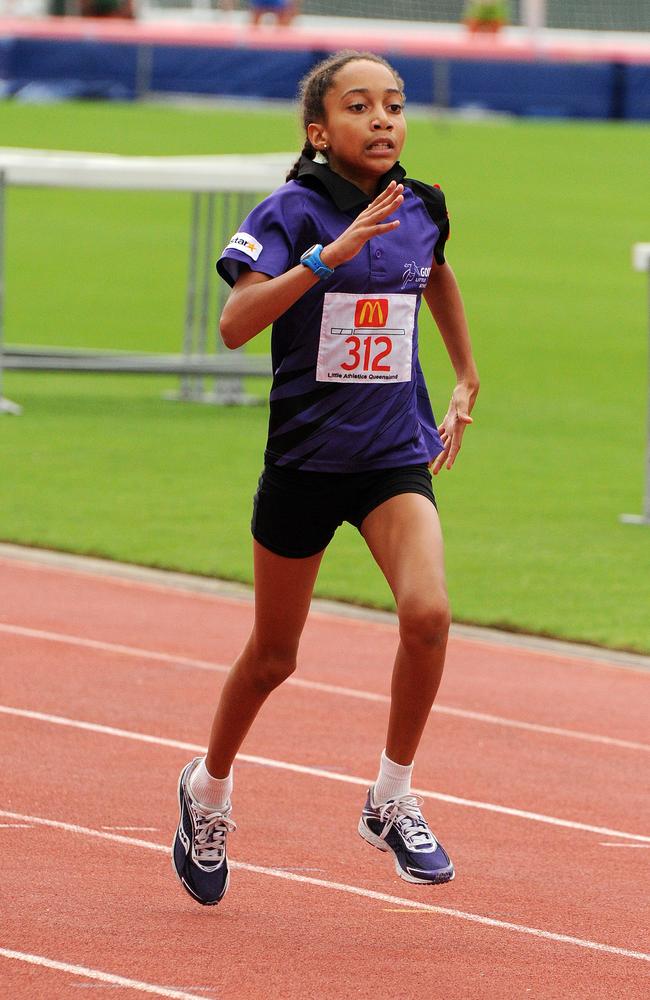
[(312, 259)]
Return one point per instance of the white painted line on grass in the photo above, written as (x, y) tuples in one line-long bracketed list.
[(102, 977), (335, 689), (316, 772), (354, 890)]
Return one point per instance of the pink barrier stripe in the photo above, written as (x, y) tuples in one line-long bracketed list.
[(423, 42)]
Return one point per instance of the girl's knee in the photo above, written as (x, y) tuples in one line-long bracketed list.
[(425, 621), (271, 665)]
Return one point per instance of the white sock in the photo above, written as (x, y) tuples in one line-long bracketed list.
[(393, 780), (213, 792)]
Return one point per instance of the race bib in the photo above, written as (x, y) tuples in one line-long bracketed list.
[(366, 338)]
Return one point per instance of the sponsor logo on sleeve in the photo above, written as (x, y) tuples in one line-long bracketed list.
[(247, 244)]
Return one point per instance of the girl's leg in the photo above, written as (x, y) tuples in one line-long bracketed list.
[(405, 539), (283, 589)]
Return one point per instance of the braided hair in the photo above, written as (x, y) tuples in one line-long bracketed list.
[(315, 85)]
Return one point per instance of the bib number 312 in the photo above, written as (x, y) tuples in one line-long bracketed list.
[(366, 339), (381, 346)]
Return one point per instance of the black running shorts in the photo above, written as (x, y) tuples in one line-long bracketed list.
[(296, 513)]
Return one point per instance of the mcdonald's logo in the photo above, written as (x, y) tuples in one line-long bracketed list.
[(371, 312)]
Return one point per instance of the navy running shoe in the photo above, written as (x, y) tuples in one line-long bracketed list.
[(399, 826), (199, 849)]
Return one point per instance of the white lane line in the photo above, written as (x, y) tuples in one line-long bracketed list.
[(133, 829), (316, 772), (107, 647), (335, 689), (102, 977), (536, 727), (179, 584), (607, 844), (352, 890)]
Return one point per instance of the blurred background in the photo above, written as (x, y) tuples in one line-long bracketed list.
[(621, 15), (125, 433)]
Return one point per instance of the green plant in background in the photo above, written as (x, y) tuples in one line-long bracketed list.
[(480, 15)]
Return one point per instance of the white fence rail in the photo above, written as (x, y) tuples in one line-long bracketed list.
[(222, 189)]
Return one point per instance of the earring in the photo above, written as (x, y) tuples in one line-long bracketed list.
[(324, 146)]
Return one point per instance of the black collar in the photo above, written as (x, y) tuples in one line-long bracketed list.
[(345, 195)]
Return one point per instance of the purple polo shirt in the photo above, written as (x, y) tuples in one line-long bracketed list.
[(361, 418)]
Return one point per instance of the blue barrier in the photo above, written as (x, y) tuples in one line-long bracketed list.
[(124, 70), (228, 72), (637, 93), (88, 69), (418, 75), (539, 89)]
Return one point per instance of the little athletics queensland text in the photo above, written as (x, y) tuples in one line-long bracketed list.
[(364, 376)]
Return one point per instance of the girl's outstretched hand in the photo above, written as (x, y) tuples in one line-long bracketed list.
[(453, 426), (367, 224)]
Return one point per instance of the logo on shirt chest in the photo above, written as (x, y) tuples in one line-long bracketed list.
[(415, 274)]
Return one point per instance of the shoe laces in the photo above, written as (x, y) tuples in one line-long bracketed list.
[(210, 830), (404, 813)]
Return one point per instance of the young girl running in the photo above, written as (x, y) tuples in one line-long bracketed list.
[(337, 259)]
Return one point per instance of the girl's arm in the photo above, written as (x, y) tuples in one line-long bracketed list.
[(257, 300), (443, 298)]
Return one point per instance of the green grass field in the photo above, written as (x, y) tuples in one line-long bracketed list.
[(543, 218)]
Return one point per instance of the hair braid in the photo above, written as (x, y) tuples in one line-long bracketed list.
[(308, 151)]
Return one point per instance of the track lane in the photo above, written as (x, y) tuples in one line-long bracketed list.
[(514, 870), (523, 684), (69, 975), (298, 929), (509, 870), (593, 784), (159, 656)]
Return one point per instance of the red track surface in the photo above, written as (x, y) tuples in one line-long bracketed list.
[(327, 917)]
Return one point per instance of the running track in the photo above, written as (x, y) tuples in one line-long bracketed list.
[(534, 769)]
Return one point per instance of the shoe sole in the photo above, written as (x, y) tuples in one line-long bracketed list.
[(191, 892), (180, 878), (370, 838)]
